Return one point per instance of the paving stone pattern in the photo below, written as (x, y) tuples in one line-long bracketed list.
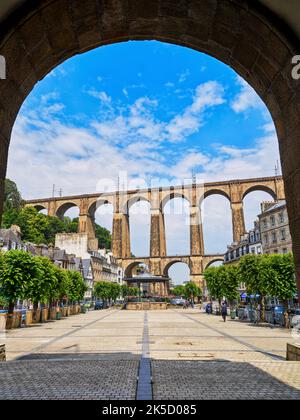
[(188, 354)]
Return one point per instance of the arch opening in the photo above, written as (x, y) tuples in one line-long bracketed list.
[(252, 206), (217, 224), (178, 272), (139, 222), (177, 226)]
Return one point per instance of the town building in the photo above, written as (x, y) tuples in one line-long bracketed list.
[(97, 265), (274, 228), (11, 239), (250, 243)]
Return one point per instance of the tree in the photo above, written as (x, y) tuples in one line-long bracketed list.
[(64, 284), (101, 290), (77, 287), (178, 290), (45, 282), (115, 291), (191, 290), (214, 282), (17, 271), (124, 290), (133, 291), (250, 267), (229, 278), (278, 276), (12, 197)]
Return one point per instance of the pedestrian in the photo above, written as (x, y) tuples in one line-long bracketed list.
[(224, 311)]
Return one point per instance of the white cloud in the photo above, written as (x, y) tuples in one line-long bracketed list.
[(183, 76), (101, 95), (207, 95), (246, 99)]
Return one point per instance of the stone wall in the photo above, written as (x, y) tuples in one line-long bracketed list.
[(293, 352), (142, 306)]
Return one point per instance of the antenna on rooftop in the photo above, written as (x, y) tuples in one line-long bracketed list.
[(194, 178)]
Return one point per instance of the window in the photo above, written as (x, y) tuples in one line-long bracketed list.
[(272, 219), (274, 238), (252, 250), (259, 249), (275, 251), (265, 223), (283, 237), (284, 250), (281, 217), (266, 239)]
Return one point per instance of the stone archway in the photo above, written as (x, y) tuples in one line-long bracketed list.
[(42, 34)]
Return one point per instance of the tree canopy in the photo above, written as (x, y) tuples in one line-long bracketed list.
[(27, 277)]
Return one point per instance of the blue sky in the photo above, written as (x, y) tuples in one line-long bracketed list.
[(155, 110)]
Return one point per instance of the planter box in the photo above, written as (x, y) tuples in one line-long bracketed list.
[(2, 353), (36, 316), (29, 315), (293, 352), (14, 320), (45, 314), (53, 313), (2, 322)]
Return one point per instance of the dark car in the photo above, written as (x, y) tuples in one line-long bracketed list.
[(98, 305)]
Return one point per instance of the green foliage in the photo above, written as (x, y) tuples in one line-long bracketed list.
[(76, 287), (40, 228), (133, 291), (109, 291), (124, 291), (178, 290), (12, 197), (43, 285), (191, 290), (277, 275), (264, 275), (104, 236), (24, 276), (250, 273), (214, 282), (18, 269)]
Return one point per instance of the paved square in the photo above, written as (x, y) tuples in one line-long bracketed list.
[(102, 355)]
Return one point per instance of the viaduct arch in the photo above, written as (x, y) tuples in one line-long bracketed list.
[(159, 261), (242, 33)]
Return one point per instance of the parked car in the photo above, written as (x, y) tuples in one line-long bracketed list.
[(278, 312), (177, 301), (98, 305)]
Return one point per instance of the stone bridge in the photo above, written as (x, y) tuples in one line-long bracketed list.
[(158, 261), (160, 265)]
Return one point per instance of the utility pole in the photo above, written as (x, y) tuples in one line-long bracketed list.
[(53, 190)]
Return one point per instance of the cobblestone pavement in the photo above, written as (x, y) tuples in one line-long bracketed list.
[(193, 356)]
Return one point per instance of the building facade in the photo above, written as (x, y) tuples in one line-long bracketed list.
[(250, 243), (274, 228), (97, 265)]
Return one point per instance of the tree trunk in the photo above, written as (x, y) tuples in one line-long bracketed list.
[(11, 307)]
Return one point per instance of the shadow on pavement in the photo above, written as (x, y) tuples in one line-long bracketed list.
[(114, 376)]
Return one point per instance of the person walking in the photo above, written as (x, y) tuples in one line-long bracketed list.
[(224, 311)]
